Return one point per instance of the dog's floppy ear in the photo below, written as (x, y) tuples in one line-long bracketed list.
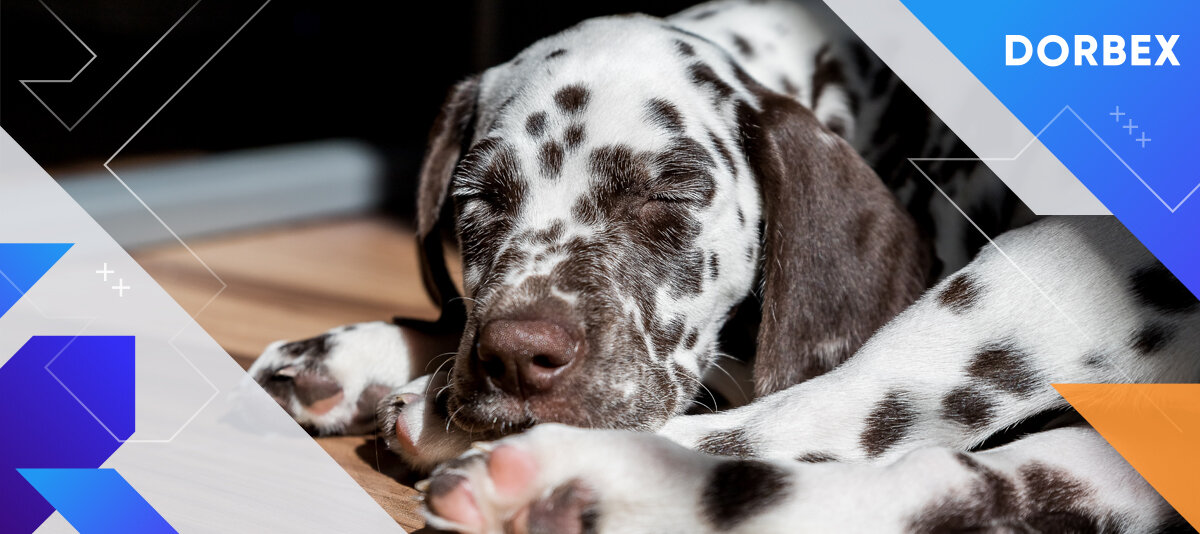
[(840, 256), (435, 213)]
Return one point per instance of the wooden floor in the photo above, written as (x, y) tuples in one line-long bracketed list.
[(292, 283)]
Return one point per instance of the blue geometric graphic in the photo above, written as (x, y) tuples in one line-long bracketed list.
[(1128, 131), (22, 265), (66, 404), (46, 426), (96, 500)]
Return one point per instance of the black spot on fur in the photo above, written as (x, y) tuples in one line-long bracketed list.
[(1051, 501), (961, 293), (488, 176), (686, 166), (316, 347), (1057, 500), (743, 46), (689, 277), (704, 14), (666, 337), (789, 87), (723, 151), (573, 137), (535, 124), (704, 76), (1004, 366), (550, 234), (686, 50), (991, 501), (816, 458), (739, 489), (733, 442), (689, 342), (551, 158), (1094, 359), (743, 77), (1151, 337), (969, 406), (714, 266), (664, 115), (1158, 288), (887, 424), (572, 98), (556, 53)]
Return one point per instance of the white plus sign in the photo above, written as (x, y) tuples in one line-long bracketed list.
[(1130, 126), (1117, 114), (120, 287), (105, 271), (1143, 139)]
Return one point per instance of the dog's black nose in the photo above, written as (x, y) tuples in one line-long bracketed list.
[(527, 356)]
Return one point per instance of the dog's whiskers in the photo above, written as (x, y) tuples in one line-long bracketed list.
[(439, 356), (736, 382)]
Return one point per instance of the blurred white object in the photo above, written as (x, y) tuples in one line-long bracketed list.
[(231, 191)]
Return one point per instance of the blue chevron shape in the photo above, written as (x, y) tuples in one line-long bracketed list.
[(22, 265), (97, 501)]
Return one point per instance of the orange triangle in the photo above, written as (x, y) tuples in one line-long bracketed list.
[(1156, 427)]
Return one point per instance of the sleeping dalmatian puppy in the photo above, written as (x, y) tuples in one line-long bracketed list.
[(636, 199), (630, 201), (642, 205)]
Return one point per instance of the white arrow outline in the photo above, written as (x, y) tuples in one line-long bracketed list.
[(71, 127)]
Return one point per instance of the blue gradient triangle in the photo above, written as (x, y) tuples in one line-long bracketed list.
[(22, 265)]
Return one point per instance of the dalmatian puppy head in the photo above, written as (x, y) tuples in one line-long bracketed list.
[(606, 189)]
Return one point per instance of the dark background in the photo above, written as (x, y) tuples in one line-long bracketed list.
[(300, 70)]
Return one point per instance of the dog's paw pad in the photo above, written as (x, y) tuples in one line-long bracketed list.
[(499, 489), (451, 497), (512, 470)]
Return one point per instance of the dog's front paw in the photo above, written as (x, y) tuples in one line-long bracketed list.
[(415, 425), (567, 480), (332, 383), (500, 490)]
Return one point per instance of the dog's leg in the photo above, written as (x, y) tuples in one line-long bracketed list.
[(1067, 300), (332, 383), (1064, 480)]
